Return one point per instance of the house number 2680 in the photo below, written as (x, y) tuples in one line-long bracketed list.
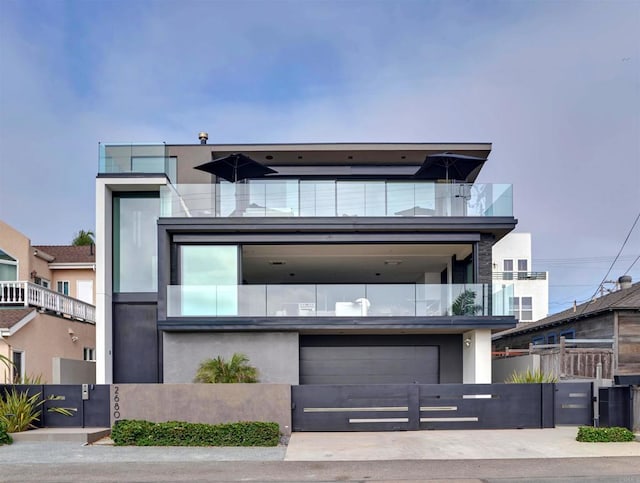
[(116, 402)]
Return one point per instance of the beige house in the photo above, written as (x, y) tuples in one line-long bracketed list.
[(47, 316)]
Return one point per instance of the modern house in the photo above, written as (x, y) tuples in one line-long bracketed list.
[(323, 263), (512, 266), (47, 316), (611, 322)]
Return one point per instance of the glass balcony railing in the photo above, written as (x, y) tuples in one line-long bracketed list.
[(340, 300), (136, 158), (293, 198)]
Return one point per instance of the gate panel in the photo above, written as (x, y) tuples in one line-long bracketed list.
[(383, 407), (481, 406), (96, 408), (573, 403), (68, 396)]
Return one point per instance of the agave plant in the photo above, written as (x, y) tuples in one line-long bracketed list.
[(219, 370), (531, 377)]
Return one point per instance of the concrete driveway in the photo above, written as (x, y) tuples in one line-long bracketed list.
[(438, 445)]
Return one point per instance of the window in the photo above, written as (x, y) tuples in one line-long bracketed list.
[(521, 308), (507, 268), (538, 340), (523, 266), (568, 333), (135, 244), (43, 282), (209, 279), (89, 354), (63, 287), (526, 308), (18, 366), (8, 267), (551, 338)]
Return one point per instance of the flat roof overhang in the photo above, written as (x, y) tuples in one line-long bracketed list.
[(306, 324), (334, 154)]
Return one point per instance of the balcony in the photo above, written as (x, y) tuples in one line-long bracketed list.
[(136, 158), (519, 275), (344, 300), (27, 294), (299, 198)]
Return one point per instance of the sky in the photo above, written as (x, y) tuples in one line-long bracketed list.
[(554, 85)]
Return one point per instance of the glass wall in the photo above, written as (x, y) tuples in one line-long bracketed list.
[(209, 276), (135, 242)]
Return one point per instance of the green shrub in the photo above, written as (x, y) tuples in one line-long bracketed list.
[(4, 437), (588, 434), (19, 410), (219, 370), (530, 377), (178, 433)]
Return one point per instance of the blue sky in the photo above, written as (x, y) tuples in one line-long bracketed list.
[(554, 85)]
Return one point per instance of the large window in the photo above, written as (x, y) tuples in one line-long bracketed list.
[(135, 245), (209, 279), (8, 267)]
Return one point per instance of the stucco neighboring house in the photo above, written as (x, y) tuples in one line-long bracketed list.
[(512, 265), (47, 316), (613, 317)]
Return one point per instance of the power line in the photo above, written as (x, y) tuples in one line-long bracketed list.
[(614, 261), (631, 266)]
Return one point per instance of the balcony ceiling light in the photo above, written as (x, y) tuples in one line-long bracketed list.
[(392, 262)]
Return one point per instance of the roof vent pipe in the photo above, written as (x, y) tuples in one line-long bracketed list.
[(203, 136), (625, 282)]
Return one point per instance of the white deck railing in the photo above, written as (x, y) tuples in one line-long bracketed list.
[(29, 294)]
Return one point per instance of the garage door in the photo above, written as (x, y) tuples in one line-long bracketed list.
[(369, 364)]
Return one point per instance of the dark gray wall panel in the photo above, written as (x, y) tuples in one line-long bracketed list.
[(135, 343)]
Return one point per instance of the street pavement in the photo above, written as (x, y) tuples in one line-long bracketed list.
[(505, 456)]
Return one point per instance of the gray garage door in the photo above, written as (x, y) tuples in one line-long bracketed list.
[(364, 364)]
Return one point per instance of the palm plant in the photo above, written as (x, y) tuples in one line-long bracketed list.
[(83, 238), (219, 370), (465, 304)]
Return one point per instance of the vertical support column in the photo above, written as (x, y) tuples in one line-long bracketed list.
[(476, 357), (104, 237)]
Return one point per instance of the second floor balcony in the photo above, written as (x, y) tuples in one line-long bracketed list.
[(338, 300), (27, 294), (336, 198)]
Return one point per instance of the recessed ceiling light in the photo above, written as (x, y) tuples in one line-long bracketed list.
[(268, 156), (277, 262), (392, 262)]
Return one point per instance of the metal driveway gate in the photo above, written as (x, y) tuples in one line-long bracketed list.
[(398, 407)]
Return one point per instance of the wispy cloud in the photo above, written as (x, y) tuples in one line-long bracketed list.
[(554, 85)]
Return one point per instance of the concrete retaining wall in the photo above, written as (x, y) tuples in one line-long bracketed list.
[(203, 403), (274, 354), (501, 369)]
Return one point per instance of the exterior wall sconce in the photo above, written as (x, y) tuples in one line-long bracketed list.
[(467, 342)]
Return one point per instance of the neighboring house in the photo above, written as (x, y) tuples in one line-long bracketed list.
[(46, 306), (615, 317), (345, 265), (512, 266)]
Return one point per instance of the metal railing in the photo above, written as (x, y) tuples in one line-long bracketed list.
[(29, 294), (519, 275)]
